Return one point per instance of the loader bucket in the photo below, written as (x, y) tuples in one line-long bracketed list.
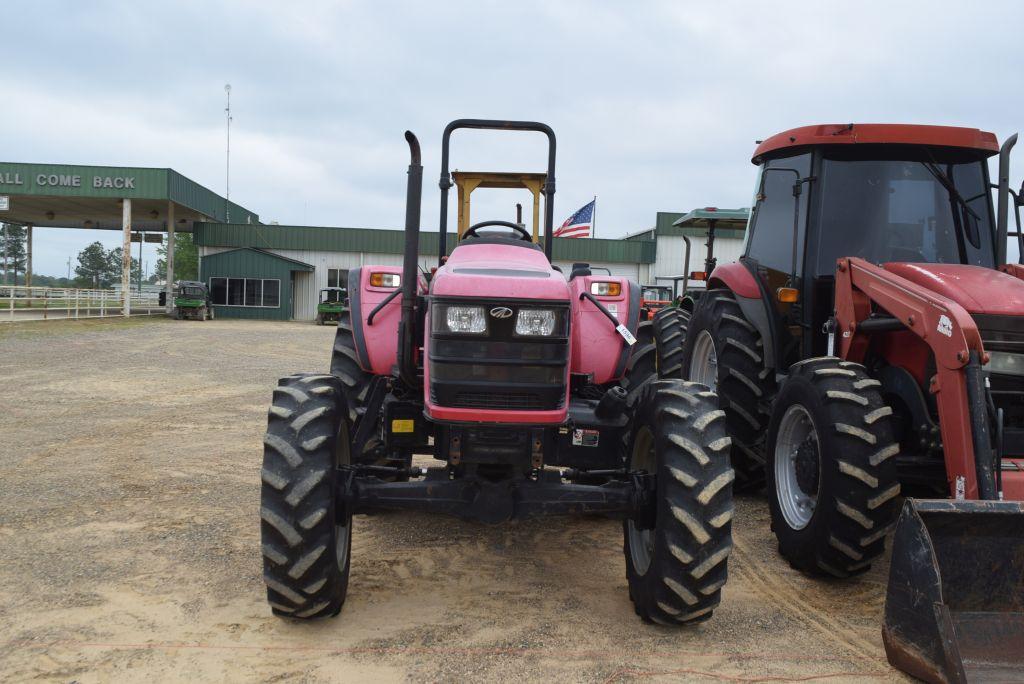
[(954, 608)]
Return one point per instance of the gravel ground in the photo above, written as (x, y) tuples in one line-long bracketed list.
[(129, 491)]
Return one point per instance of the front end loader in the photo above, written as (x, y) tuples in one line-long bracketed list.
[(870, 344), (527, 395)]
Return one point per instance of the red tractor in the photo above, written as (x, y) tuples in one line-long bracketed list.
[(870, 343), (525, 386)]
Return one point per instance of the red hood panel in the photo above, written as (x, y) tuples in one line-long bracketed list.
[(501, 271), (979, 290)]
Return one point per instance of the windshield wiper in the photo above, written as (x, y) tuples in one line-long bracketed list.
[(950, 187)]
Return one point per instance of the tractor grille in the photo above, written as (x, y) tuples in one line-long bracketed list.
[(500, 400), (1001, 333), (1006, 334), (499, 370)]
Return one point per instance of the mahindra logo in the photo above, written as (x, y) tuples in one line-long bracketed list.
[(501, 312)]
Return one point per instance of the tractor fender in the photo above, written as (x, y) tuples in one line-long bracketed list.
[(748, 293), (376, 343)]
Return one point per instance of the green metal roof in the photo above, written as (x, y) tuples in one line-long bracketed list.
[(74, 194), (374, 240)]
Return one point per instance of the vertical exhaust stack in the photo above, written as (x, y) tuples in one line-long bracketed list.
[(410, 265), (1003, 200)]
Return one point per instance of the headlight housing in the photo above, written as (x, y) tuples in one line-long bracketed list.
[(1005, 363), (606, 289), (464, 319), (535, 322), (385, 279)]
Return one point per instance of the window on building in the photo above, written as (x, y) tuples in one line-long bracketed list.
[(337, 277), (272, 293), (257, 292)]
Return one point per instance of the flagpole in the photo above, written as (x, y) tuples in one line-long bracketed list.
[(593, 219)]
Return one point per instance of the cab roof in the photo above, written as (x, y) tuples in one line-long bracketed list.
[(899, 134)]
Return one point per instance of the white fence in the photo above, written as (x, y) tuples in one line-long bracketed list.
[(20, 303)]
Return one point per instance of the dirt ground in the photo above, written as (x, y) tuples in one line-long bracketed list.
[(129, 528)]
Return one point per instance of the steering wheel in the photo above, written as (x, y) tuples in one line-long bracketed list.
[(522, 232)]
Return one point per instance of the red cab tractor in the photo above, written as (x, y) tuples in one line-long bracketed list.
[(527, 390), (871, 343)]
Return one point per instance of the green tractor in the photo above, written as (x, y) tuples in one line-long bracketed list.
[(192, 300), (333, 301)]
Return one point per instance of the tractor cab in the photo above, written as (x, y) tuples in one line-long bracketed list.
[(332, 302), (886, 194)]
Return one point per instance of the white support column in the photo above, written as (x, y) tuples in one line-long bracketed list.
[(28, 260), (170, 257), (126, 257)]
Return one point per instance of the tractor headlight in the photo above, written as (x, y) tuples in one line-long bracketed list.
[(535, 322), (466, 319), (1005, 363), (605, 289)]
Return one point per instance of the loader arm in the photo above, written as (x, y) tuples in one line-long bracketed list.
[(953, 337)]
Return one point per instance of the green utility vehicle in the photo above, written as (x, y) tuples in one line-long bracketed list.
[(333, 300), (192, 300)]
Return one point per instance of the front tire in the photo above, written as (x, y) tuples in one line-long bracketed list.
[(676, 570), (724, 351), (306, 534), (832, 477)]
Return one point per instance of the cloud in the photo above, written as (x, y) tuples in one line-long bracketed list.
[(656, 104)]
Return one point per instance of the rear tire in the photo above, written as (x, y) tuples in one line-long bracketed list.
[(676, 570), (723, 350), (832, 477), (306, 534), (670, 326), (644, 332)]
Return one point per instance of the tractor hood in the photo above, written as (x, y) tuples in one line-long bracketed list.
[(494, 270), (977, 289)]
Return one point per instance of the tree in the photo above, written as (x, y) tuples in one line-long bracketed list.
[(186, 258), (12, 246), (115, 266), (93, 266)]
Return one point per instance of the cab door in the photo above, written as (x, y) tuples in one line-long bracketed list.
[(770, 245)]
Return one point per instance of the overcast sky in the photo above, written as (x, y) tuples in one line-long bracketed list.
[(656, 104)]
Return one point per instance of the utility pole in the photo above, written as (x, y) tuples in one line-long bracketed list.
[(227, 158), (4, 240), (69, 269)]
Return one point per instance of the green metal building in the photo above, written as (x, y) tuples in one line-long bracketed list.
[(307, 259)]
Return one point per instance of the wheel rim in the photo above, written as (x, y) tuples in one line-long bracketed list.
[(640, 541), (797, 467), (704, 365)]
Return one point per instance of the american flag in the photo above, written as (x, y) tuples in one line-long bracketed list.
[(578, 225)]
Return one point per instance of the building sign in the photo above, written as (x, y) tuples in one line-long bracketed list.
[(67, 180), (5, 203)]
